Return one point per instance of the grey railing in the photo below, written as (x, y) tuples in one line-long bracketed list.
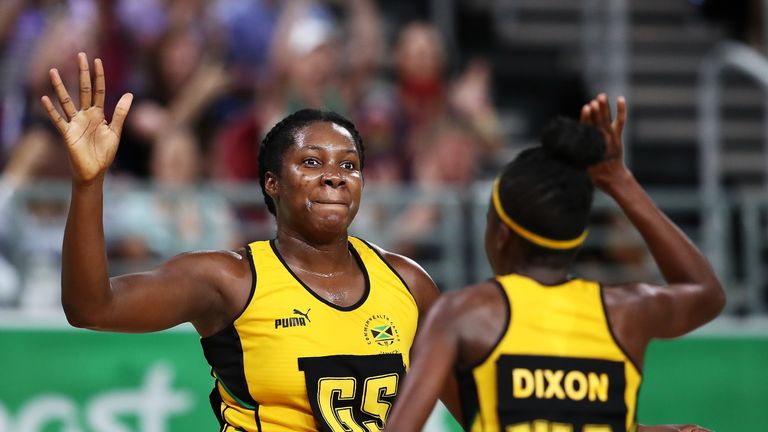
[(717, 200), (449, 246)]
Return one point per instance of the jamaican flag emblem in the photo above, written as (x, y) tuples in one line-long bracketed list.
[(383, 334), (381, 330)]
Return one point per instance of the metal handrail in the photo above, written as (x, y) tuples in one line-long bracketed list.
[(605, 27), (726, 55), (455, 239)]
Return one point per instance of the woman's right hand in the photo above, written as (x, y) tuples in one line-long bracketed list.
[(91, 141), (597, 113)]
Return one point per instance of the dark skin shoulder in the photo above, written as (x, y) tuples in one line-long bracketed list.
[(481, 313), (207, 289), (420, 284), (640, 312), (210, 289)]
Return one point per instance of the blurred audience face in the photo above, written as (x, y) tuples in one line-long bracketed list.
[(178, 56), (314, 68), (312, 51), (419, 53), (176, 159), (445, 155)]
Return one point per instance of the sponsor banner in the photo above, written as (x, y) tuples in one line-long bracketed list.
[(720, 382), (82, 381)]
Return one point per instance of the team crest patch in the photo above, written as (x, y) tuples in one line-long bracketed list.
[(381, 330)]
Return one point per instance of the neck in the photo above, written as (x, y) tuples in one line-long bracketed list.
[(326, 258), (544, 274)]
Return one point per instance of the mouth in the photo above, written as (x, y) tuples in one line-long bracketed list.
[(331, 203)]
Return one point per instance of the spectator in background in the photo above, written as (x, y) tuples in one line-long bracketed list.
[(21, 24), (306, 69), (426, 97), (182, 83), (420, 67), (35, 34), (448, 130), (43, 32), (248, 29), (175, 214), (31, 224), (470, 101), (193, 63), (25, 160)]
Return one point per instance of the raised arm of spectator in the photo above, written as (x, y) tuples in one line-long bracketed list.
[(363, 46)]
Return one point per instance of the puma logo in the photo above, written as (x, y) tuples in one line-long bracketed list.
[(299, 321), (305, 315)]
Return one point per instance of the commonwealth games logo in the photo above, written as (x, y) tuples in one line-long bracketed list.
[(380, 329)]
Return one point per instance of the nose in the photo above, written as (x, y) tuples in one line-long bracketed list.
[(333, 178)]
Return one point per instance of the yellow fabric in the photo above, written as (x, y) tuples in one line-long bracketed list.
[(285, 327), (530, 235), (557, 360)]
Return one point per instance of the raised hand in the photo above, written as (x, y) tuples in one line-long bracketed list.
[(91, 141), (598, 113)]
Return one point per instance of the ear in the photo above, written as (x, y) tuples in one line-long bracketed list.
[(503, 236), (270, 185)]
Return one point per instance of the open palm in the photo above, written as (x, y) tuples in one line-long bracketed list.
[(91, 141)]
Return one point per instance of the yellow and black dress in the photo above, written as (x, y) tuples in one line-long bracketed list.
[(293, 361), (557, 367)]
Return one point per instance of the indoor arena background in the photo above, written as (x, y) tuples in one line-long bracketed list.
[(444, 92)]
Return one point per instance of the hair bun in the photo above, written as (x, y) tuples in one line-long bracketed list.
[(573, 143)]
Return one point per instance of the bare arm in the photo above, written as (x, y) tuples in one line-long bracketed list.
[(426, 294), (434, 354), (694, 295), (184, 289)]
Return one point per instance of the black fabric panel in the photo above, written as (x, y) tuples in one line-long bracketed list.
[(470, 401), (216, 401), (224, 353)]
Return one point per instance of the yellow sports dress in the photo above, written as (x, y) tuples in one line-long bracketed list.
[(292, 361), (557, 367)]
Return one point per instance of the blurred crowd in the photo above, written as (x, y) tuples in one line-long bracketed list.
[(210, 78)]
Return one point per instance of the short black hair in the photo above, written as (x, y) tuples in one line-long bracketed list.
[(547, 190), (283, 135)]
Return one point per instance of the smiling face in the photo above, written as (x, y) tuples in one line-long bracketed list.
[(317, 192)]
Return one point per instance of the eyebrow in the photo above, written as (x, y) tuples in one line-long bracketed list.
[(321, 148)]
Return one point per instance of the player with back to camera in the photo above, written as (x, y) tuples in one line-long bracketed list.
[(535, 349), (309, 331)]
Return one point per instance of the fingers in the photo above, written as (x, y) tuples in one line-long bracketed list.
[(99, 84), (605, 109), (54, 115), (121, 111), (586, 116), (85, 81), (621, 114), (594, 109), (62, 95)]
